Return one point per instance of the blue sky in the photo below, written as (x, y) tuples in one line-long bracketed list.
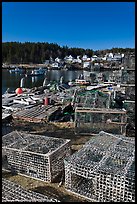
[(88, 25)]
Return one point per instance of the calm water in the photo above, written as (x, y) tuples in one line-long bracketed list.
[(12, 80)]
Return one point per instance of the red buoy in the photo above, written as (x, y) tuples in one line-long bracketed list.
[(19, 91)]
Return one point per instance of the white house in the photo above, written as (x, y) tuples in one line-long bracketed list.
[(84, 58), (79, 60), (110, 55), (94, 57), (109, 58), (74, 60), (86, 64), (55, 65), (104, 58), (68, 58), (57, 60), (117, 56)]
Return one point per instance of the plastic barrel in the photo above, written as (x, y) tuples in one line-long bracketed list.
[(46, 101)]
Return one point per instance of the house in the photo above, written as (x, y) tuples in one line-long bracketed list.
[(122, 55), (57, 60), (94, 57), (68, 58), (104, 58), (86, 64), (74, 60), (84, 58), (55, 65), (109, 58), (117, 57), (79, 60), (110, 55)]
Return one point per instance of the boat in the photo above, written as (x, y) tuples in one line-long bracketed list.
[(37, 72), (79, 82), (82, 82), (17, 69)]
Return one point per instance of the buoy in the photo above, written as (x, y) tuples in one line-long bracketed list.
[(46, 101), (19, 91)]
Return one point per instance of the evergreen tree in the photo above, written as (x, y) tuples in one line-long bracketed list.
[(28, 52)]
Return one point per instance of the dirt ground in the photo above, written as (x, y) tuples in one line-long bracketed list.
[(49, 189), (61, 130)]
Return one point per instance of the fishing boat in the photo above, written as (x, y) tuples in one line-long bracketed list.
[(82, 82), (36, 72), (16, 70), (78, 82)]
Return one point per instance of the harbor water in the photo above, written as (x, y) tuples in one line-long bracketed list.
[(13, 80)]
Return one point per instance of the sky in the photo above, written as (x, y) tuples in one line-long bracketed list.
[(88, 25)]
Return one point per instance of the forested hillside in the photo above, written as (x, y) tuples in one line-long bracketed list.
[(15, 52), (28, 52), (115, 50)]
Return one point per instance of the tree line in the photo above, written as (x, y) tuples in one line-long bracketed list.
[(115, 50), (16, 52), (29, 52)]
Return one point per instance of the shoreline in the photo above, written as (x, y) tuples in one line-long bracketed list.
[(9, 66)]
